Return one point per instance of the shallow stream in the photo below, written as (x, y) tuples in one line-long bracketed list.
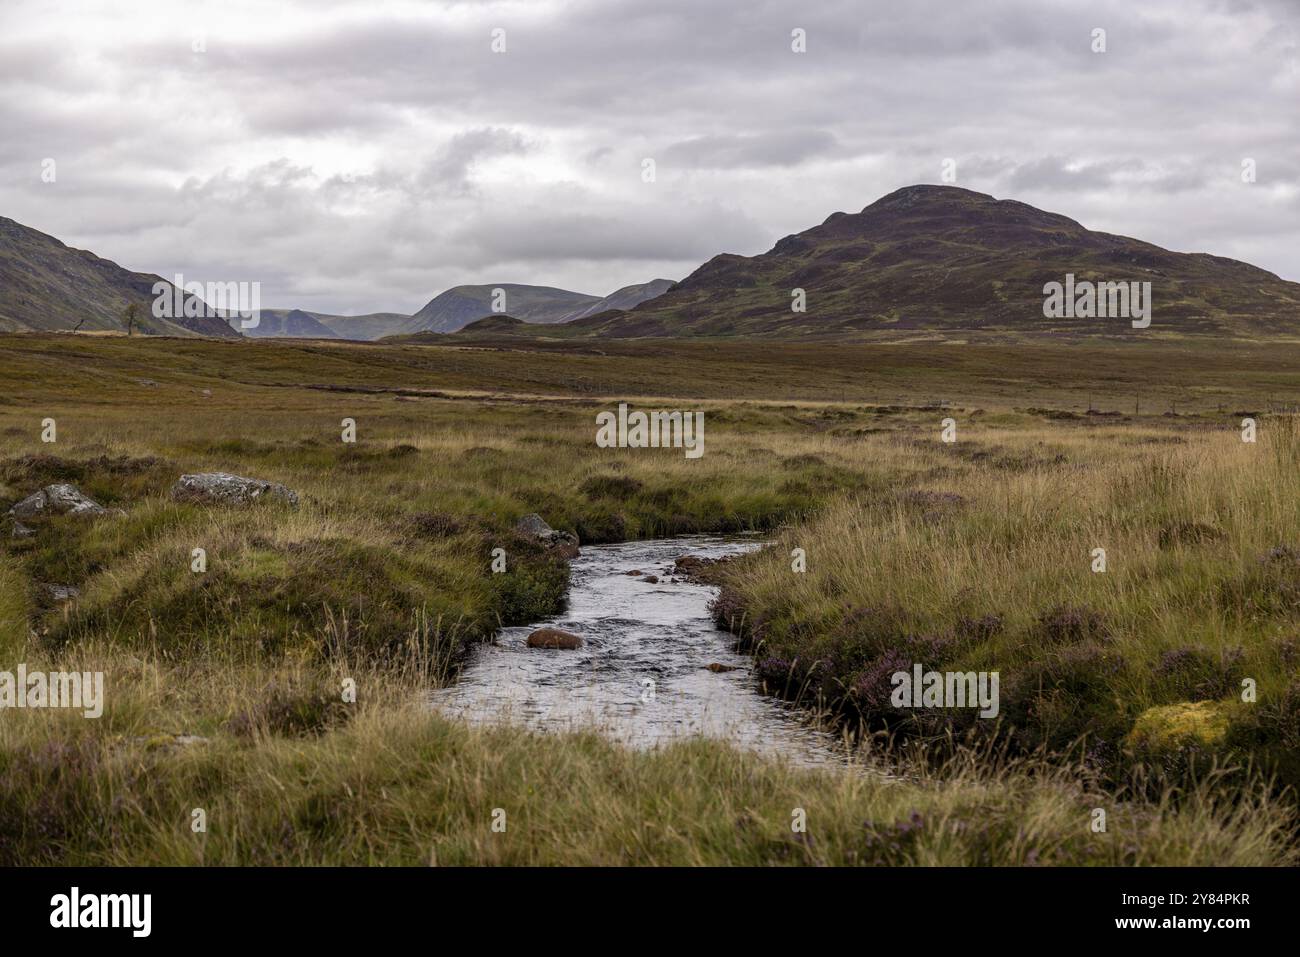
[(635, 632)]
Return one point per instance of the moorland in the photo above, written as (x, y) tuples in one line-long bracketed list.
[(1122, 689)]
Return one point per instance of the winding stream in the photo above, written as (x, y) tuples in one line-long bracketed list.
[(634, 630)]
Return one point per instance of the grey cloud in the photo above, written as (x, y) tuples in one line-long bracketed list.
[(451, 165), (284, 111), (657, 233), (732, 151), (1058, 173)]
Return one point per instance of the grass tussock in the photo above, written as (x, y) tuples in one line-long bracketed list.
[(293, 776), (1010, 582)]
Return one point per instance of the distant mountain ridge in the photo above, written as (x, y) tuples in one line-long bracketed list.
[(629, 297), (461, 305), (286, 324), (304, 324), (458, 307), (46, 285)]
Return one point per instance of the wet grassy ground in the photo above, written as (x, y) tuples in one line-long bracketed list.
[(383, 573)]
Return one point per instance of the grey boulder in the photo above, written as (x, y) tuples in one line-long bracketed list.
[(61, 499), (533, 526), (222, 488)]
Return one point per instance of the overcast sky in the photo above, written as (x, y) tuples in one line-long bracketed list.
[(364, 156)]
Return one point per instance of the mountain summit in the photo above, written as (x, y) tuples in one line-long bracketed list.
[(940, 257)]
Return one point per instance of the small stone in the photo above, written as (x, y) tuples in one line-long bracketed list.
[(61, 593), (717, 668)]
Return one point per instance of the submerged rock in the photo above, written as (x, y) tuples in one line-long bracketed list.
[(534, 527), (222, 488), (554, 638), (61, 499), (651, 579), (717, 668)]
